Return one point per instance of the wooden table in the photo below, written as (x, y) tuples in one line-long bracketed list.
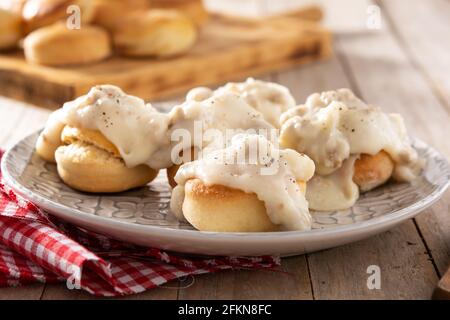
[(404, 68)]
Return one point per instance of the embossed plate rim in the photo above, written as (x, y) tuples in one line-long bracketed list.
[(366, 226)]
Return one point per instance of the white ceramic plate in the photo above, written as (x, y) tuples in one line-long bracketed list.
[(142, 216)]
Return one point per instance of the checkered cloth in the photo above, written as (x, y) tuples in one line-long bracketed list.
[(36, 247)]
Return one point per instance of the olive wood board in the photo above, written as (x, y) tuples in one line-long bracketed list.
[(227, 49)]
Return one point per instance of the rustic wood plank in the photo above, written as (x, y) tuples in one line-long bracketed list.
[(434, 225), (406, 91), (422, 30), (60, 291), (423, 27), (26, 292), (292, 283), (18, 119), (406, 272), (317, 77)]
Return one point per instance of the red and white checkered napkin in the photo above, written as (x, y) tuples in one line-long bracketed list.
[(35, 247)]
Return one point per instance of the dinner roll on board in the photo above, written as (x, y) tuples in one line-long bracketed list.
[(56, 45), (10, 29), (40, 13), (194, 9), (109, 12), (158, 33)]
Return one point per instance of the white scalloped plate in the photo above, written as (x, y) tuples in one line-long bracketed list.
[(142, 216)]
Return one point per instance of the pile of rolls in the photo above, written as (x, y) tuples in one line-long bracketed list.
[(318, 155), (78, 32)]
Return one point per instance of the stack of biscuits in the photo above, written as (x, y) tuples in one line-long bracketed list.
[(78, 32)]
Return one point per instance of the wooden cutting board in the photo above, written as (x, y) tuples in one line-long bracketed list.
[(227, 49)]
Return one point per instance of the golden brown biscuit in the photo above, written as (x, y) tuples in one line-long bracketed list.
[(158, 33), (109, 12), (90, 162), (40, 13), (194, 9), (87, 168), (56, 45), (10, 29), (372, 171), (223, 209), (13, 6), (49, 140), (172, 171)]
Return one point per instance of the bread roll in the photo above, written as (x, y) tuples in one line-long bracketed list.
[(158, 33), (50, 138), (194, 9), (372, 171), (89, 162), (223, 209), (56, 45), (40, 13), (109, 12), (10, 29)]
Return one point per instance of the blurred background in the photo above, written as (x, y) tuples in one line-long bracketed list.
[(55, 50)]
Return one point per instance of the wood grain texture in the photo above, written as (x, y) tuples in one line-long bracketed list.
[(291, 283), (28, 292), (422, 28), (442, 292), (226, 48), (17, 120), (406, 272)]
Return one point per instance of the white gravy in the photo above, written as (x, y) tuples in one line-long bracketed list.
[(272, 177), (268, 98), (334, 126), (137, 129), (209, 124), (271, 99)]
